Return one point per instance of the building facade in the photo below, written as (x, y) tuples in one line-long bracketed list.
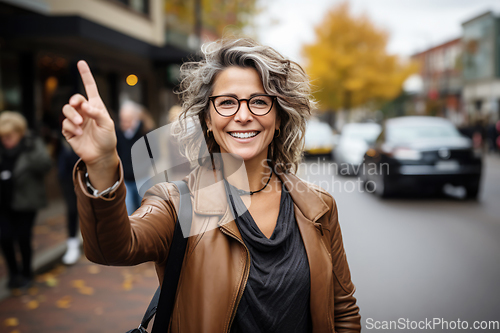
[(42, 40), (441, 82), (481, 68)]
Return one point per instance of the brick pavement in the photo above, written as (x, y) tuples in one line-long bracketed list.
[(82, 298)]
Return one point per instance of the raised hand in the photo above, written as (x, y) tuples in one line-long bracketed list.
[(88, 127)]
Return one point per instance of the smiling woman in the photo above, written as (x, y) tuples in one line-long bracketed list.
[(283, 248)]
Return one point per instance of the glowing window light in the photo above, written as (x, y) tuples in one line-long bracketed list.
[(132, 80)]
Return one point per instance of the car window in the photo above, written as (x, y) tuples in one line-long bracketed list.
[(361, 133), (412, 133), (318, 129)]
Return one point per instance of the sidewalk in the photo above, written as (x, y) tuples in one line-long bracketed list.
[(82, 298)]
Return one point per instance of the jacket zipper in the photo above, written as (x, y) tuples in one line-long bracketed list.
[(245, 279)]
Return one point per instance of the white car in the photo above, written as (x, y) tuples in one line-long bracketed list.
[(354, 141), (319, 139)]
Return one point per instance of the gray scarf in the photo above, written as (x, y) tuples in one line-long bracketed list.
[(277, 294)]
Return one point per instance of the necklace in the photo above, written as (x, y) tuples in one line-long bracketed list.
[(243, 192)]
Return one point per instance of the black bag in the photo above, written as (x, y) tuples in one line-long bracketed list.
[(164, 298)]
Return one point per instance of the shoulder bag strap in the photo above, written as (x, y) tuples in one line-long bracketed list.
[(164, 298)]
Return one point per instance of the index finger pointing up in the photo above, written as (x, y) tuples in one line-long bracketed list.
[(88, 80)]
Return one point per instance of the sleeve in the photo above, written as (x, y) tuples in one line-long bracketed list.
[(111, 237), (347, 317)]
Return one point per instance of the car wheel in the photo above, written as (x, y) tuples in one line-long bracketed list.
[(367, 180), (472, 191), (382, 188)]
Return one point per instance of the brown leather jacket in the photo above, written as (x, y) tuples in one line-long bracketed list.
[(217, 262)]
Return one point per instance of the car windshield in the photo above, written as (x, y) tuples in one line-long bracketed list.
[(318, 129), (368, 133), (412, 133)]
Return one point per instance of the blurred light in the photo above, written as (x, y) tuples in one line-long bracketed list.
[(371, 152), (51, 84), (132, 80)]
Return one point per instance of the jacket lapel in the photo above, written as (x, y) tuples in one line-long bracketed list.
[(210, 199)]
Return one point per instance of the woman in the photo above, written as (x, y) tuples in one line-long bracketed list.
[(278, 267), (23, 163)]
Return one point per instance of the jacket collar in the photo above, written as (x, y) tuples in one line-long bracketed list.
[(210, 195)]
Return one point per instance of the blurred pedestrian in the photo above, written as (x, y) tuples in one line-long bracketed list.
[(131, 128), (479, 135), (65, 163), (24, 161), (491, 133)]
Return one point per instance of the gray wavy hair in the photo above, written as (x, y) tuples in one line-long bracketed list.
[(280, 77)]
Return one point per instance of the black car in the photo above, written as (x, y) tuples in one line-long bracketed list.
[(421, 154)]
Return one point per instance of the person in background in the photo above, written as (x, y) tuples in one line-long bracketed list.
[(131, 128), (24, 161), (66, 161), (492, 136)]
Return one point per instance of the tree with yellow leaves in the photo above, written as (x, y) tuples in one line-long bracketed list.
[(219, 16), (349, 65)]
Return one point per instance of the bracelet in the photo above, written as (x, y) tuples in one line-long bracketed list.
[(95, 192)]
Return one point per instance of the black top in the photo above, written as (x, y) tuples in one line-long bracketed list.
[(277, 294)]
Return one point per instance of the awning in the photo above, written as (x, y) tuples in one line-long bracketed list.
[(35, 27)]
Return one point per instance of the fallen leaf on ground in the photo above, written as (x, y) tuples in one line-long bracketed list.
[(64, 302), (86, 290), (33, 291), (12, 321), (16, 331), (78, 283), (31, 305), (51, 281)]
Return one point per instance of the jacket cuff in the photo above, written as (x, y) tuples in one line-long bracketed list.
[(79, 181)]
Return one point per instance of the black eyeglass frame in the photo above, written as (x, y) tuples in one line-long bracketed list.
[(212, 98)]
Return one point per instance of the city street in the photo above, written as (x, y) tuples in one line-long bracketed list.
[(421, 258), (92, 92)]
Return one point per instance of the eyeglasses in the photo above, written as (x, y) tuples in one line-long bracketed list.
[(228, 106)]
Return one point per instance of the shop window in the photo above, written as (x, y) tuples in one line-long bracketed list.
[(10, 84)]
